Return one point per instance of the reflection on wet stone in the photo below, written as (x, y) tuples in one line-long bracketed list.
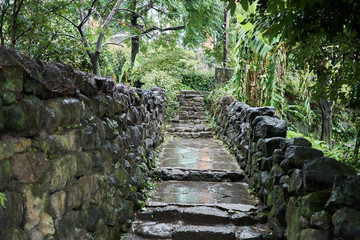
[(192, 154)]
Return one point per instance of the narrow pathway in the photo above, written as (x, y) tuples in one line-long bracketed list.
[(203, 195)]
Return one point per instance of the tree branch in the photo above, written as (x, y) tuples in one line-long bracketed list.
[(121, 41), (84, 19), (136, 13), (145, 32), (107, 21), (71, 22)]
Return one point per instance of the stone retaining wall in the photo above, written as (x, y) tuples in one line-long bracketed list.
[(75, 150), (306, 196)]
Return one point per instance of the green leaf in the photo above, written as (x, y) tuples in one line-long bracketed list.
[(232, 6), (244, 4)]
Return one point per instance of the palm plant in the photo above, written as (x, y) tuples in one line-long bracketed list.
[(260, 67)]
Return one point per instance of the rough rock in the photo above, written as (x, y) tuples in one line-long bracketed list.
[(270, 127), (345, 193), (321, 220), (320, 173), (347, 223), (295, 156), (314, 234)]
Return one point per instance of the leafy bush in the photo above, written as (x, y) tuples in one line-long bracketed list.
[(166, 68), (198, 80)]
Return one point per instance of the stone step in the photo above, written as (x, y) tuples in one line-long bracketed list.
[(193, 108), (189, 128), (185, 117), (191, 103), (207, 175), (193, 134), (196, 121), (191, 113), (192, 92), (181, 231)]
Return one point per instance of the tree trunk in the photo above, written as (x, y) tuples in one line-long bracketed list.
[(226, 35), (357, 144), (326, 126), (95, 62), (135, 46), (325, 106)]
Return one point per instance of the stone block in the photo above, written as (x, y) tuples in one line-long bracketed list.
[(46, 225), (13, 233), (58, 204), (5, 173), (345, 193), (321, 220), (320, 173), (11, 84), (121, 101), (61, 172), (35, 203), (94, 188), (223, 75), (296, 186), (347, 223), (16, 118), (267, 146), (29, 167), (295, 156), (52, 115), (11, 216), (269, 127), (20, 144), (300, 209), (87, 84), (6, 149), (257, 114), (104, 84), (314, 234), (276, 200), (74, 194)]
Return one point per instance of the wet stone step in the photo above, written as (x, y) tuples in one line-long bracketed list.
[(155, 230), (177, 127), (197, 214), (196, 121), (183, 174), (204, 232), (189, 130), (182, 192), (201, 154), (193, 135)]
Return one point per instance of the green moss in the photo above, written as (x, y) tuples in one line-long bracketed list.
[(6, 150), (16, 118)]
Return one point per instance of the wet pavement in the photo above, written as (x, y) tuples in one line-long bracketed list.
[(197, 154), (202, 192)]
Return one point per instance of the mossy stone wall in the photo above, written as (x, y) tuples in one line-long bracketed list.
[(75, 150), (306, 196)]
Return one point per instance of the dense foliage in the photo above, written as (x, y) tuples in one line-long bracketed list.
[(173, 70)]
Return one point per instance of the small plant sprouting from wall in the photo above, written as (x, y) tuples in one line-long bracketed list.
[(2, 199)]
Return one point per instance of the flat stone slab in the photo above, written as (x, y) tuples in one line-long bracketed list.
[(181, 174), (204, 232), (201, 154), (180, 192)]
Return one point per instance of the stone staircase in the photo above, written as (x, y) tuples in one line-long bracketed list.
[(191, 122), (203, 195)]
